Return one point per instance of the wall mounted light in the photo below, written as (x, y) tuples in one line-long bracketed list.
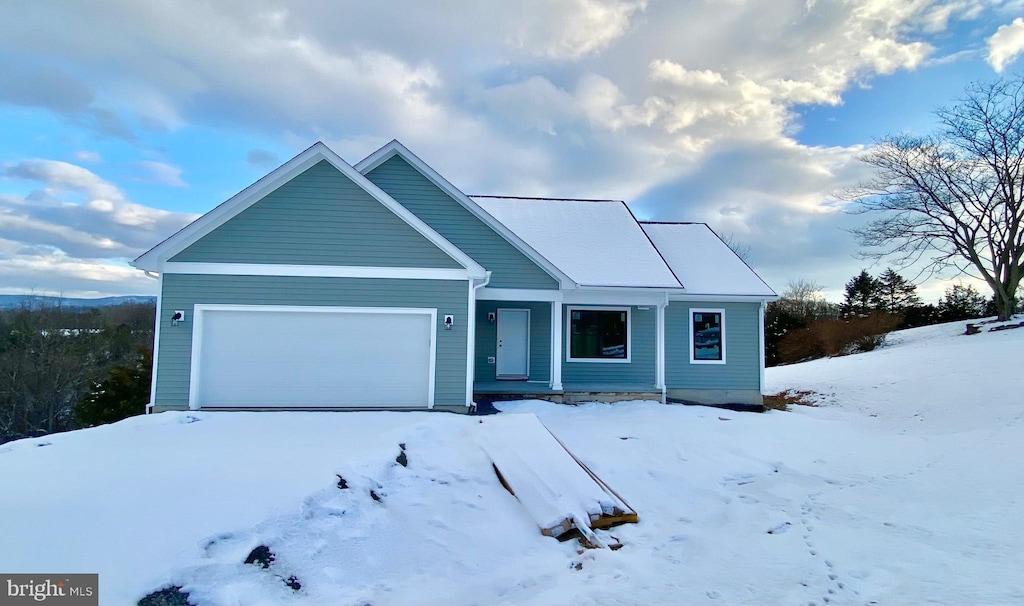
[(449, 321), (177, 316), (490, 317)]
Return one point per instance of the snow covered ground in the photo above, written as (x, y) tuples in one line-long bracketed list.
[(904, 486)]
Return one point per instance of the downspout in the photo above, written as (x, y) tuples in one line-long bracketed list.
[(156, 337), (662, 344), (471, 339)]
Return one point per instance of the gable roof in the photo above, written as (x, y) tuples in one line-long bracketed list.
[(595, 242), (153, 259), (395, 148), (703, 262)]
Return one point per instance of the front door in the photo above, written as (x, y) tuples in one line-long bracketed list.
[(513, 359)]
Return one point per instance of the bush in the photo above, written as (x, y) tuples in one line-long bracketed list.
[(833, 337), (124, 393)]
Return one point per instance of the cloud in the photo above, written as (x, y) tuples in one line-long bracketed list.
[(261, 158), (88, 156), (76, 213), (1006, 45), (161, 173), (55, 89)]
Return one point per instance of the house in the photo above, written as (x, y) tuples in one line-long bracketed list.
[(382, 286)]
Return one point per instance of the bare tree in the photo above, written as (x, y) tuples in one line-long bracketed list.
[(954, 199)]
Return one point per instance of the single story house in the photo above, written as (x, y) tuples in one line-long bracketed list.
[(382, 286)]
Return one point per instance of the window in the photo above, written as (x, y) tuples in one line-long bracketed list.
[(707, 336), (599, 334)]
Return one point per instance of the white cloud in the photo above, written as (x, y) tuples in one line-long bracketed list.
[(1006, 45), (568, 30), (79, 214), (88, 156), (161, 173)]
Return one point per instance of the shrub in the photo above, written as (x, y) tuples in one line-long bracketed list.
[(124, 393), (833, 337)]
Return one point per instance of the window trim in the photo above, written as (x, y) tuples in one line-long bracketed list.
[(629, 334), (689, 330)]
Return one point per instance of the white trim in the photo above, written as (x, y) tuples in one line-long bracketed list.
[(556, 346), (394, 148), (519, 294), (721, 337), (199, 309), (721, 298), (156, 340), (760, 343), (318, 271), (155, 258), (614, 296), (629, 335), (659, 372)]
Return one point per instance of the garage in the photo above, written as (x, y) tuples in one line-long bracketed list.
[(312, 357)]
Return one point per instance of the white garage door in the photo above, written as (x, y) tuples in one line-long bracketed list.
[(312, 357)]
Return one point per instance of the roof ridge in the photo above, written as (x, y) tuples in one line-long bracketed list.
[(545, 198), (671, 222)]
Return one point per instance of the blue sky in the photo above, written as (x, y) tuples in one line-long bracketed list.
[(123, 121)]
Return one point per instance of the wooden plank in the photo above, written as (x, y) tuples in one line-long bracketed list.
[(560, 493)]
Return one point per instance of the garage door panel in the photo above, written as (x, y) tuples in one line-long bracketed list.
[(337, 358)]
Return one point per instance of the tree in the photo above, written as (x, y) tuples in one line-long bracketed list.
[(895, 293), (124, 393), (800, 305), (955, 199), (961, 303), (862, 295)]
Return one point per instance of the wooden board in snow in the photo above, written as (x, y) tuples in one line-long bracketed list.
[(558, 491)]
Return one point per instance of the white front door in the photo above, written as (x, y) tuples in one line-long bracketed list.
[(513, 359)]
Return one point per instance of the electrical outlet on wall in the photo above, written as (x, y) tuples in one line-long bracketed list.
[(490, 359)]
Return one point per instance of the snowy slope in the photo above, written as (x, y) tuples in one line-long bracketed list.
[(902, 487)]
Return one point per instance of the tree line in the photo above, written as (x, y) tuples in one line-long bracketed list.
[(65, 368), (802, 325)]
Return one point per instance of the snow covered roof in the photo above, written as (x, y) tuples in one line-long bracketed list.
[(703, 262), (594, 242)]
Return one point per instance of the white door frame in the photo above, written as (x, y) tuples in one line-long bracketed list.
[(195, 374), (497, 349)]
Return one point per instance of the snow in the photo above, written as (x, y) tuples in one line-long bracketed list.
[(903, 486), (544, 477), (703, 262), (595, 243)]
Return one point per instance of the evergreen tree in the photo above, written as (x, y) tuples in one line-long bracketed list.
[(961, 303), (895, 293), (124, 393), (863, 295)]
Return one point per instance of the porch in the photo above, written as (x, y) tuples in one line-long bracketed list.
[(571, 393)]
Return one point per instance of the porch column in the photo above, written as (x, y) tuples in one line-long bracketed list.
[(556, 345), (659, 373)]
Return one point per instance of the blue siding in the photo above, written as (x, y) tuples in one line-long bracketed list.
[(742, 369), (509, 267), (320, 217), (182, 291), (640, 370), (540, 339)]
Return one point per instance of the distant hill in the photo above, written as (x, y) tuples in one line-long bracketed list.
[(15, 301)]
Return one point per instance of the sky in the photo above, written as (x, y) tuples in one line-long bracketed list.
[(120, 122)]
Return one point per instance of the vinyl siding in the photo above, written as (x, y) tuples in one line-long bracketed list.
[(742, 368), (321, 217), (540, 339), (640, 370), (509, 267), (183, 291)]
